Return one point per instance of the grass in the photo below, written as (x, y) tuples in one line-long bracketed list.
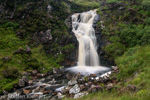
[(87, 3)]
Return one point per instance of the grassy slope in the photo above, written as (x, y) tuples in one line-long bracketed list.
[(87, 3)]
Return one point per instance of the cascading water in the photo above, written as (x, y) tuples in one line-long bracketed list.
[(85, 34), (88, 60)]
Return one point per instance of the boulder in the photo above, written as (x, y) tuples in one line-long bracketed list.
[(72, 82), (26, 91), (75, 89), (21, 83), (79, 95)]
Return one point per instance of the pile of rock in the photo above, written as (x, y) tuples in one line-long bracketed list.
[(57, 85)]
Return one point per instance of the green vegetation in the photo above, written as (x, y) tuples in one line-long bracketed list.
[(146, 4), (87, 3)]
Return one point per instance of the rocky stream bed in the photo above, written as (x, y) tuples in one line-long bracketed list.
[(58, 84)]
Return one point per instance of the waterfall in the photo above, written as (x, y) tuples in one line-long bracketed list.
[(88, 60), (82, 26)]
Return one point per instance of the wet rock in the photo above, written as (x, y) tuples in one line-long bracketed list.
[(30, 82), (82, 87), (81, 80), (60, 96), (75, 89), (115, 68), (4, 97), (55, 71), (69, 76), (79, 95), (93, 75), (5, 92), (37, 89), (52, 82), (26, 91), (46, 92), (41, 75), (72, 82), (87, 85)]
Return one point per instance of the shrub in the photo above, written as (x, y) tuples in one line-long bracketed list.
[(146, 4), (10, 72), (112, 1)]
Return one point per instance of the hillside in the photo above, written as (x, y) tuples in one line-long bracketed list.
[(36, 35)]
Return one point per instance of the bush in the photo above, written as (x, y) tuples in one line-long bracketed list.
[(112, 1), (10, 72), (146, 4), (115, 49), (135, 59)]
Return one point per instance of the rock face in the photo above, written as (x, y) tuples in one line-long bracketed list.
[(43, 37)]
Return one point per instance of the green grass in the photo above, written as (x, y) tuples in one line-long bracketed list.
[(87, 3)]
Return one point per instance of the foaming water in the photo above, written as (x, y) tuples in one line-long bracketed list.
[(87, 70), (88, 59)]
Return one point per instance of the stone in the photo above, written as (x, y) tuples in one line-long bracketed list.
[(43, 37), (60, 96), (93, 75), (55, 71), (79, 95), (30, 82), (82, 87), (52, 82), (72, 82), (110, 86), (46, 92), (131, 87), (75, 89), (89, 82), (26, 91), (69, 76), (28, 50), (41, 75), (25, 78), (37, 89), (5, 92), (81, 80), (5, 59), (34, 72), (115, 68), (21, 83), (19, 51)]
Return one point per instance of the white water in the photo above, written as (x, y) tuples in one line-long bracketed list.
[(85, 34), (88, 60)]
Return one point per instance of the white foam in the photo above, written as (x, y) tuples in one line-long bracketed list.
[(86, 70)]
